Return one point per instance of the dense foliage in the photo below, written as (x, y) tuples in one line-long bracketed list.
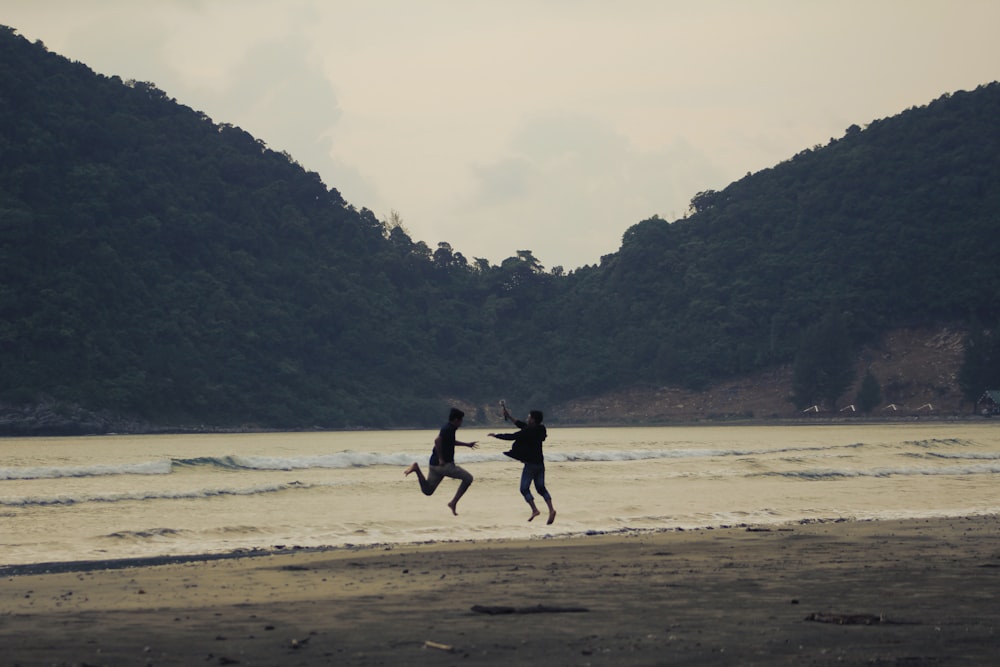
[(157, 264), (894, 225), (980, 369)]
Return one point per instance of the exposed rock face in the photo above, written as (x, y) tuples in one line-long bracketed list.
[(916, 368)]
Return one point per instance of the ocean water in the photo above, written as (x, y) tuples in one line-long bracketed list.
[(108, 497)]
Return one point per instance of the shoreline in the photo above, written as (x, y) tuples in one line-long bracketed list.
[(155, 560), (913, 591), (15, 430)]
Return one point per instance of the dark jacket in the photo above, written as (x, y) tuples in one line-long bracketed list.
[(527, 442)]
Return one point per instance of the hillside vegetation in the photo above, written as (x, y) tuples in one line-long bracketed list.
[(161, 268)]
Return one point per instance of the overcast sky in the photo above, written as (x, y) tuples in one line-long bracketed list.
[(542, 125)]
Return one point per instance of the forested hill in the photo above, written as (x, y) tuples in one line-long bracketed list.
[(155, 263), (160, 267), (894, 225)]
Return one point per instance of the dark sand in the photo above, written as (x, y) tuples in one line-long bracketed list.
[(920, 592)]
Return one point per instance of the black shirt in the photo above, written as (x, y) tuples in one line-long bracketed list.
[(447, 436)]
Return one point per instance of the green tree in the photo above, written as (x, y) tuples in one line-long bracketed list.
[(980, 369), (869, 393), (823, 367)]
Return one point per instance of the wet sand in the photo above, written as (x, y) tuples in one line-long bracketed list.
[(918, 592)]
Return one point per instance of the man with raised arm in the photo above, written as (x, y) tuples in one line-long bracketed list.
[(527, 448)]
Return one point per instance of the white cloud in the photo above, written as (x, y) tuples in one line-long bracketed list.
[(590, 180)]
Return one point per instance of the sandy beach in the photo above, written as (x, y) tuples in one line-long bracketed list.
[(917, 592)]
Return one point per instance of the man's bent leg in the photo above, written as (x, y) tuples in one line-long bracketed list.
[(465, 476), (430, 483)]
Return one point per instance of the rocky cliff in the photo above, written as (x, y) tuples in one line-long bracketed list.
[(917, 370)]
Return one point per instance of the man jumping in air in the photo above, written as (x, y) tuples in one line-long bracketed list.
[(442, 462), (527, 448)]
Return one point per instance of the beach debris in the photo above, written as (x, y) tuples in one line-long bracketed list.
[(493, 610), (441, 647), (846, 619)]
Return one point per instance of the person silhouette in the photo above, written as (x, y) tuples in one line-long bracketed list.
[(527, 448), (442, 461)]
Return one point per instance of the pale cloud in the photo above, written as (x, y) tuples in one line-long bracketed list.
[(584, 176), (547, 125)]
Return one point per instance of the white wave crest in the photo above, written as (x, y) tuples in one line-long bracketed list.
[(42, 501), (161, 467), (355, 459), (832, 474)]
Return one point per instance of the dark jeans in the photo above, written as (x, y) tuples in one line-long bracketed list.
[(534, 472)]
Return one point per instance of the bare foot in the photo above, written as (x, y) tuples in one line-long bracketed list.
[(534, 513), (453, 505), (413, 466), (552, 517)]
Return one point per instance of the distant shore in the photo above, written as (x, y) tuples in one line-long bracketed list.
[(839, 592), (13, 427)]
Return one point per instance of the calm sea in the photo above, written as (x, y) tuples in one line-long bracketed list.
[(96, 498)]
